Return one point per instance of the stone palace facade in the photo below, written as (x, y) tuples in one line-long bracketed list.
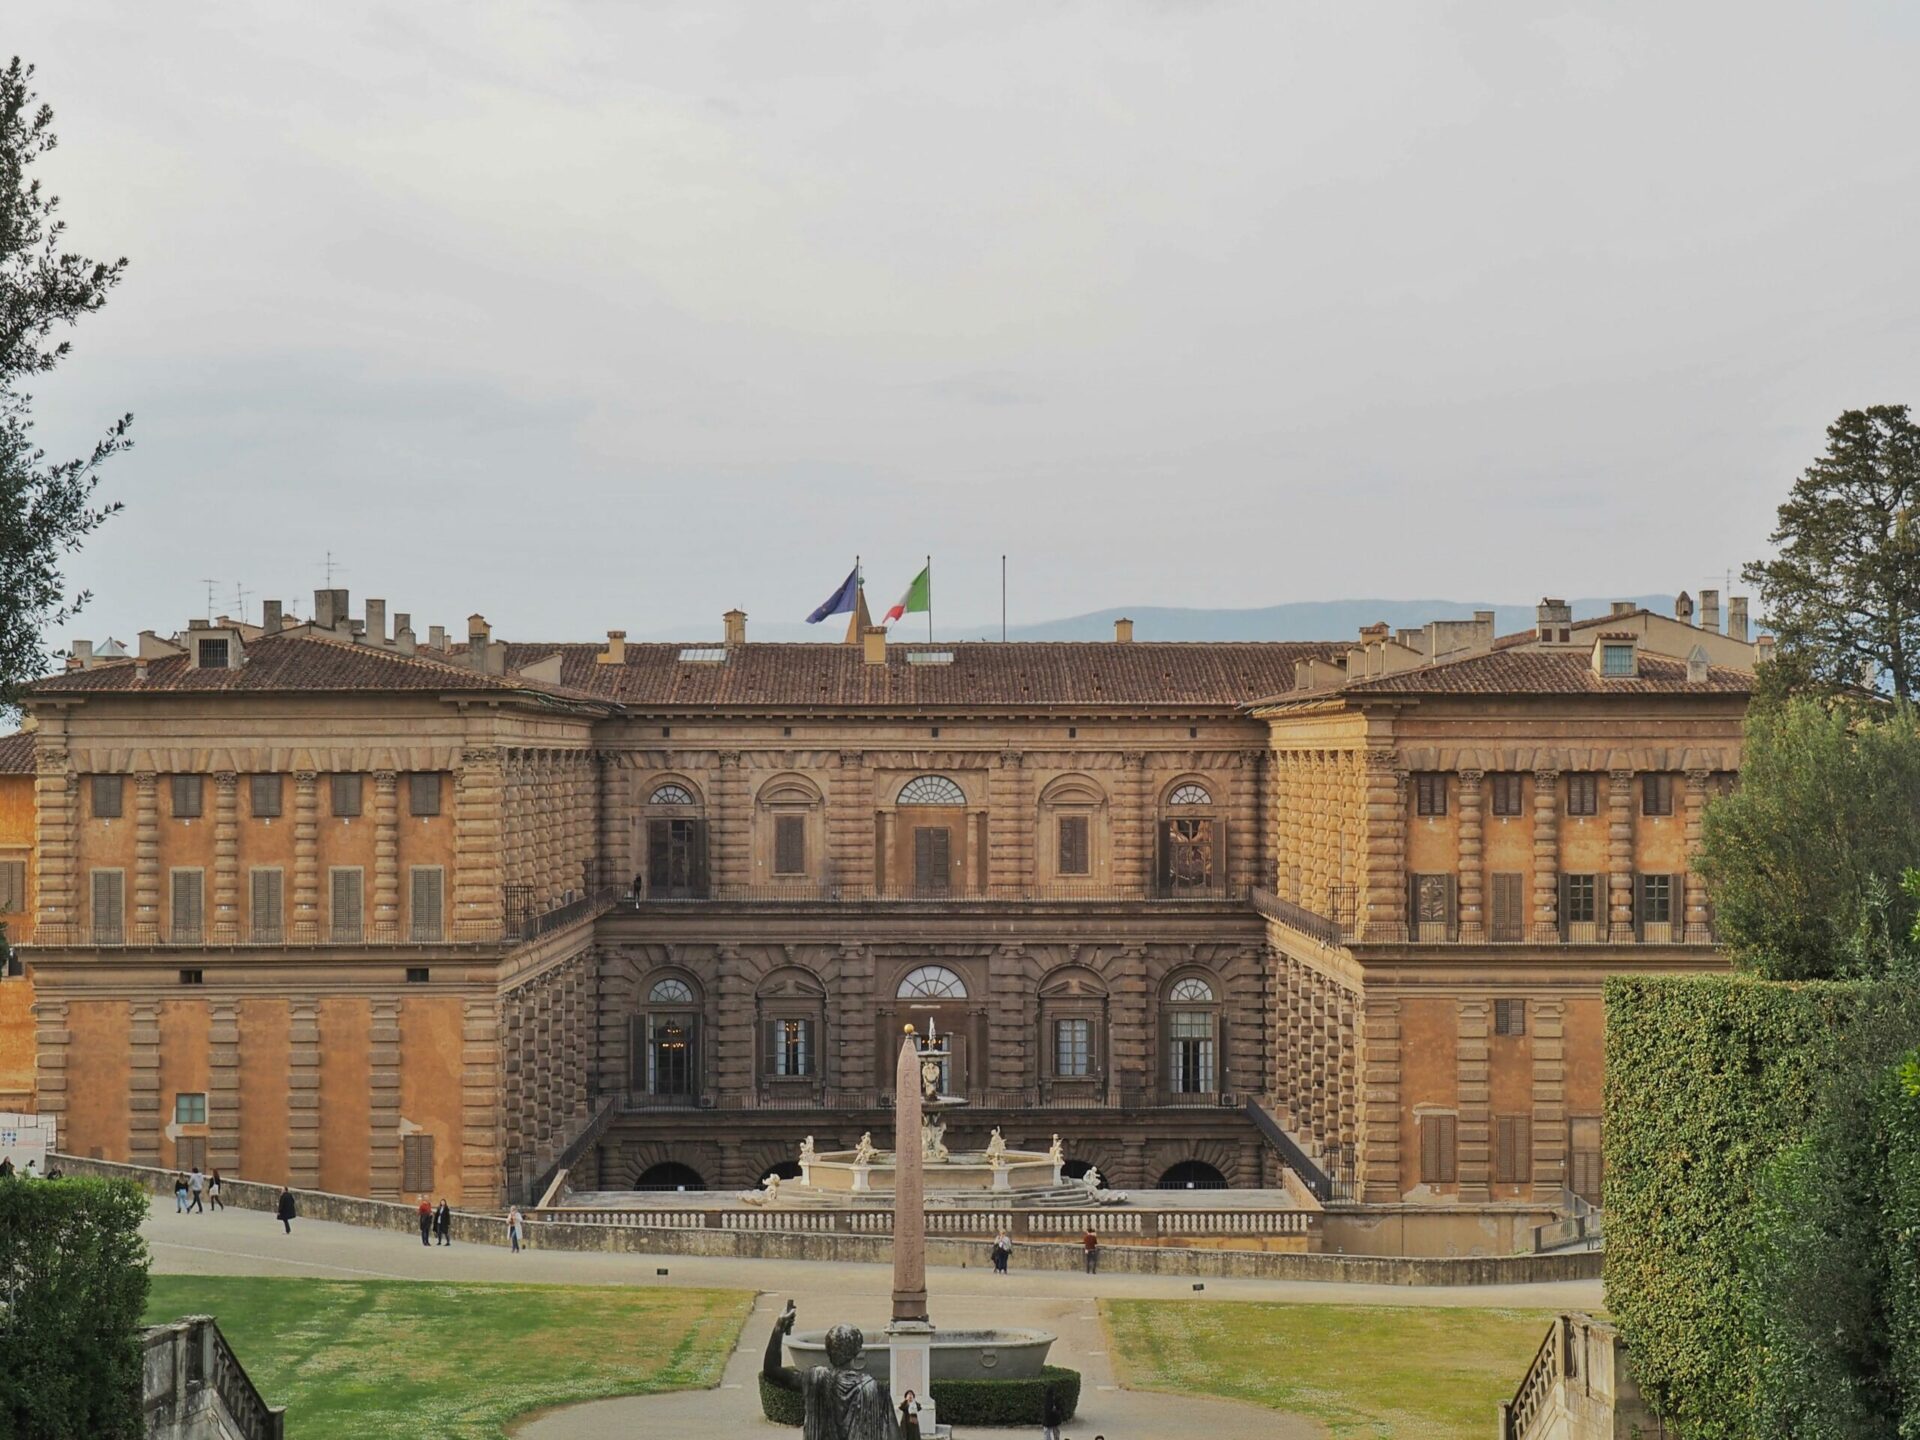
[(334, 904)]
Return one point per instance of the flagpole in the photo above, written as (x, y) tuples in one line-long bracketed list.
[(929, 599), (1003, 599)]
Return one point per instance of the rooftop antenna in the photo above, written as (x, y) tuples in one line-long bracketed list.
[(240, 602), (332, 565), (209, 584)]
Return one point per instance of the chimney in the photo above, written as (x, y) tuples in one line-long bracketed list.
[(875, 639), (1683, 608), (270, 616), (1710, 610), (1553, 621), (616, 651), (736, 627), (329, 608), (403, 640), (437, 637), (1697, 665), (1123, 632), (82, 655), (377, 621), (478, 634), (1624, 607), (1763, 649), (1737, 617)]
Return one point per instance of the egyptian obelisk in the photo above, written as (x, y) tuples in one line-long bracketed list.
[(909, 1188)]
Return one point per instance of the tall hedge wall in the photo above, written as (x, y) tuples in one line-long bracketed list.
[(1710, 1083), (73, 1284)]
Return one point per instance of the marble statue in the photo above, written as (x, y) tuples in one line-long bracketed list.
[(768, 1192), (864, 1152), (842, 1404), (1054, 1153), (996, 1148), (806, 1150), (933, 1142), (1097, 1191)]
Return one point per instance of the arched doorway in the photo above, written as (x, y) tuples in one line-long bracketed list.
[(670, 1175), (934, 999), (1075, 1169), (786, 1170), (1192, 1175)]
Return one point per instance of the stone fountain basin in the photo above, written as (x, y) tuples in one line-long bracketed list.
[(957, 1354), (1022, 1170)]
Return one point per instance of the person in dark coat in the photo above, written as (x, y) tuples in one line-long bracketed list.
[(426, 1220), (285, 1209), (443, 1224), (1053, 1415), (179, 1194)]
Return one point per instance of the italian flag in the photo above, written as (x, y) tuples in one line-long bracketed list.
[(918, 599)]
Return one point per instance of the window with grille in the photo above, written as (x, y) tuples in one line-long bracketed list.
[(1583, 795), (186, 797), (932, 859), (213, 654), (416, 1164), (1075, 854), (1072, 1048), (268, 892), (1430, 794), (347, 911), (1656, 899), (13, 886), (1506, 794), (1582, 899), (190, 1152), (427, 910), (790, 1047), (106, 793), (1616, 660), (932, 790), (1656, 795), (1509, 905), (423, 794), (189, 906), (1512, 1149), (265, 796), (789, 844), (1438, 1150), (109, 906), (1509, 1017), (190, 1108), (346, 794), (931, 982)]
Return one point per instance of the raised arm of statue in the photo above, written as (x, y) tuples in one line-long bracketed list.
[(785, 1376)]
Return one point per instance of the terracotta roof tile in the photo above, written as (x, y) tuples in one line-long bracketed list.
[(279, 663), (1548, 672), (16, 753)]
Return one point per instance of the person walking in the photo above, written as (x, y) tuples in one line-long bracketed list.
[(196, 1186), (426, 1220), (213, 1192), (1052, 1415), (6, 1167), (285, 1209), (1002, 1251), (909, 1417), (443, 1223), (179, 1193), (1091, 1243), (514, 1226)]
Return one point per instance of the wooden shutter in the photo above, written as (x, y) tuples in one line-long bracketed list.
[(265, 796), (186, 797), (1513, 1150), (109, 904), (697, 856), (1436, 1149), (1639, 894), (187, 905), (789, 844), (428, 883), (416, 1164), (348, 913), (1074, 857), (346, 794), (190, 1152), (268, 911), (1566, 891), (659, 856), (423, 794), (1507, 924), (107, 797), (13, 886), (1677, 899), (932, 858)]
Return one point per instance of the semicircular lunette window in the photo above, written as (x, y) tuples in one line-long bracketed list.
[(932, 790), (1191, 991), (671, 992), (932, 982), (1190, 795), (672, 795)]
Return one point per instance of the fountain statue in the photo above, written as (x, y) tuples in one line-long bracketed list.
[(933, 1142), (864, 1152), (842, 1403), (806, 1150), (996, 1151)]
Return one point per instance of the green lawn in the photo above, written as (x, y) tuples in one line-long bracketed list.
[(1426, 1373), (414, 1360)]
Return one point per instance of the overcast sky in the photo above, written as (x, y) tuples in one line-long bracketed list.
[(594, 315)]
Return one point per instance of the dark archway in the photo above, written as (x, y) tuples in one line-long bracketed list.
[(786, 1170), (1193, 1175), (670, 1175), (1075, 1169)]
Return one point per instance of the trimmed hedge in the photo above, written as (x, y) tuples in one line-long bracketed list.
[(73, 1286), (960, 1402), (1714, 1088)]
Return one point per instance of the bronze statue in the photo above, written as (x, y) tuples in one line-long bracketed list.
[(842, 1404)]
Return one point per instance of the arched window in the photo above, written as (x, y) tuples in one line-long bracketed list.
[(932, 982), (931, 790), (671, 794), (670, 992), (1190, 794), (676, 845), (666, 1041), (1191, 990), (1192, 1026), (1192, 839), (786, 841)]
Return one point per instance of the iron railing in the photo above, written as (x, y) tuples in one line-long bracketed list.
[(1033, 1097), (1325, 1185), (1397, 930), (813, 892)]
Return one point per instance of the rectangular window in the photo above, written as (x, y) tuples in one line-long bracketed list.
[(1430, 794), (427, 909), (789, 844), (1190, 1063), (347, 915), (213, 654), (1584, 1169), (1583, 794), (189, 906), (1072, 1049), (1656, 899), (269, 906), (109, 906), (1437, 1150), (1509, 1017), (932, 859), (676, 858), (1583, 899), (1506, 794), (416, 1164), (265, 796), (1656, 795), (190, 1108), (186, 797), (346, 794), (13, 887), (1509, 905), (107, 798), (1431, 903), (423, 794), (1616, 660), (1075, 857), (790, 1047), (1512, 1149)]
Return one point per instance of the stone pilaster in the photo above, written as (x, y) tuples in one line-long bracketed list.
[(223, 1085), (1546, 849), (481, 1171), (1620, 855), (612, 817), (1472, 1060), (1013, 1058), (847, 1056), (733, 1048), (305, 927), (1697, 915), (386, 857), (56, 795), (1383, 900), (383, 1084), (850, 859), (1472, 867), (1347, 1072), (1546, 1020), (223, 925), (513, 1110), (1379, 1145), (1010, 861), (1243, 822), (303, 1095), (1130, 1038), (727, 826), (144, 1121), (478, 895), (540, 1066), (51, 1043), (1133, 828), (145, 921)]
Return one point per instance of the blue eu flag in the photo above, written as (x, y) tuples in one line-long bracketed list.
[(842, 601)]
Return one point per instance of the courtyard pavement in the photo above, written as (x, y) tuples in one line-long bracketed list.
[(246, 1242)]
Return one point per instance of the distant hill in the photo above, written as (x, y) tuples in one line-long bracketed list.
[(1298, 620)]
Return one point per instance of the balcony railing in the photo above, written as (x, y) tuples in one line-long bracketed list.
[(809, 892), (1398, 930), (1041, 1097)]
